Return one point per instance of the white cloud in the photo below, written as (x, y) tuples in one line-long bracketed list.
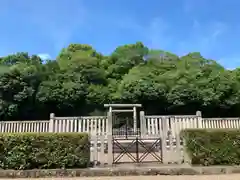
[(230, 62), (44, 56), (154, 34), (57, 20), (203, 37), (157, 34)]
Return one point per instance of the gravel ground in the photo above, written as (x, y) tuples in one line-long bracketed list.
[(198, 177)]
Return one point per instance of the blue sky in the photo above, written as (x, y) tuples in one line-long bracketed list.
[(43, 27)]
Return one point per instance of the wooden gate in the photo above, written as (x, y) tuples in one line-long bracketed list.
[(137, 150)]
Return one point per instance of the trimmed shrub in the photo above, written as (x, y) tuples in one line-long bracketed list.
[(44, 150), (213, 146)]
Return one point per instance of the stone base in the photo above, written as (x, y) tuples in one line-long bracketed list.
[(120, 171)]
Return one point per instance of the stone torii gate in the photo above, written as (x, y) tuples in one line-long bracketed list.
[(125, 108)]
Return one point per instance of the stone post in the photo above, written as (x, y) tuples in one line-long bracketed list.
[(51, 122)]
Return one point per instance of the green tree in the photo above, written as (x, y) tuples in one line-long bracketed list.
[(81, 80), (19, 85)]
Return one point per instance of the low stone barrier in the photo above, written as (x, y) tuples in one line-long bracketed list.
[(119, 171)]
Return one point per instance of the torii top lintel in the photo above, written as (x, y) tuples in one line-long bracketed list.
[(122, 105)]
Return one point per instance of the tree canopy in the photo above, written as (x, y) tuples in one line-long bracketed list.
[(81, 80)]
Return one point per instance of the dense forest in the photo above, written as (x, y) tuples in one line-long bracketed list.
[(81, 80)]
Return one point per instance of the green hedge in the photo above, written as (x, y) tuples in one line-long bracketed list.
[(44, 150), (213, 147)]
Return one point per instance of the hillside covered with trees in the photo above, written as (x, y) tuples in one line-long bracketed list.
[(81, 80)]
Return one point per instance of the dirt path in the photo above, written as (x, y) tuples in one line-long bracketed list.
[(198, 177)]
